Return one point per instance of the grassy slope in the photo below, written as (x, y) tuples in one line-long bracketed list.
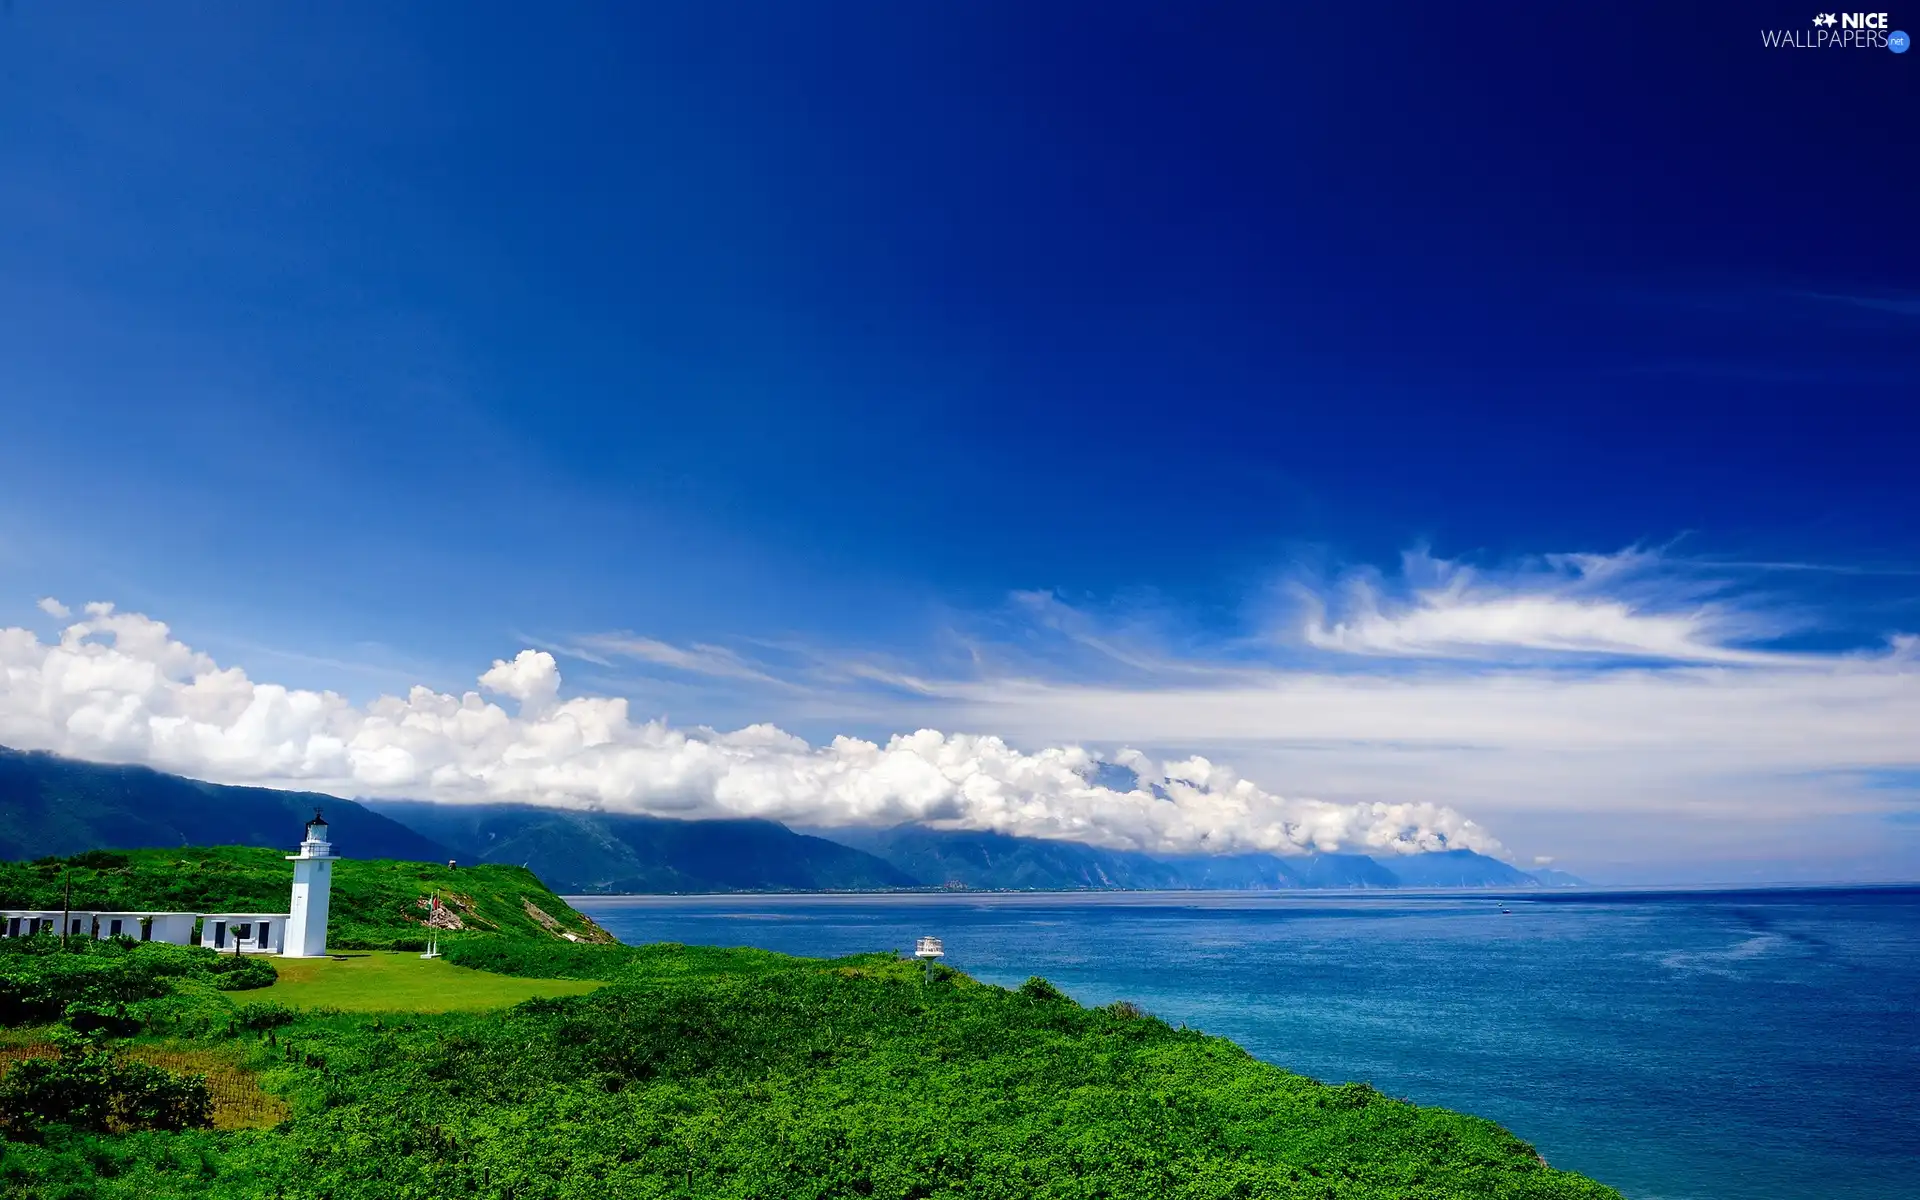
[(374, 901), (403, 982), (714, 1073)]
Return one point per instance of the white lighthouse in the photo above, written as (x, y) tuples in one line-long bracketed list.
[(312, 883)]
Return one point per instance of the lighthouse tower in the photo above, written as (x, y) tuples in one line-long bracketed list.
[(312, 883)]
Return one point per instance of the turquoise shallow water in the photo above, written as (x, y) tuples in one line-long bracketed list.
[(1760, 1045)]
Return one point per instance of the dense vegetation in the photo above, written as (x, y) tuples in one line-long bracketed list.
[(89, 1085), (709, 1073), (93, 984), (376, 903)]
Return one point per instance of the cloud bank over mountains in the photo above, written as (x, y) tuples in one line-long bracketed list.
[(1617, 709), (118, 686)]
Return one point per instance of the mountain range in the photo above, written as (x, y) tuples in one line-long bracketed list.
[(53, 805), (603, 852)]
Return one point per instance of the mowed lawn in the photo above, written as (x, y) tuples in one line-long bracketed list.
[(394, 981)]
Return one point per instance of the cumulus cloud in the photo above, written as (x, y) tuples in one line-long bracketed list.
[(118, 686), (54, 608), (532, 678)]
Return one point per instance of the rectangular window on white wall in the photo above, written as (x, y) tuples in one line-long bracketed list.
[(219, 934)]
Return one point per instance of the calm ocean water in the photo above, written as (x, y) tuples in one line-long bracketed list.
[(1759, 1045)]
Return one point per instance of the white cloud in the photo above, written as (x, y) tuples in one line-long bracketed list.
[(716, 661), (1589, 604), (54, 608), (532, 678), (118, 686)]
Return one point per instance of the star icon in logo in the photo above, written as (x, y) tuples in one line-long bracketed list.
[(1825, 19)]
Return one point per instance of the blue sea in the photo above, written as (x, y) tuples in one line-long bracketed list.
[(1736, 1045)]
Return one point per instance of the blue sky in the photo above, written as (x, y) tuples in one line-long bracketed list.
[(861, 367)]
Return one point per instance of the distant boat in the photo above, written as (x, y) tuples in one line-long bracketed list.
[(1505, 911)]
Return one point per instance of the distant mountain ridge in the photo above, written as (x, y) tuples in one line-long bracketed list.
[(54, 805), (977, 860), (605, 852)]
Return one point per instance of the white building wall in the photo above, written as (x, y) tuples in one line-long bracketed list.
[(129, 922), (175, 929)]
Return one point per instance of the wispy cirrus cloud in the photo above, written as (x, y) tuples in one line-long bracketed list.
[(698, 659), (1623, 605)]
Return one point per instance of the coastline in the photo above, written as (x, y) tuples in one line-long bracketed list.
[(1741, 1043)]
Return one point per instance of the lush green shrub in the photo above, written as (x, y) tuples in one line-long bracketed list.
[(92, 1086), (1036, 988), (239, 973), (37, 988), (90, 1016), (39, 979), (538, 959), (265, 1016)]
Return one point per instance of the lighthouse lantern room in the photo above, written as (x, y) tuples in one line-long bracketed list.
[(312, 884)]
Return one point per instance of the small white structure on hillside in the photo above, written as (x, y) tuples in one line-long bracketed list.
[(306, 931), (244, 933), (926, 950)]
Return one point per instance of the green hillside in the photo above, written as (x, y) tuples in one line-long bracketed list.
[(698, 1073), (375, 902)]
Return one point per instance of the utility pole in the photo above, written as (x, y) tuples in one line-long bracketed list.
[(66, 906)]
